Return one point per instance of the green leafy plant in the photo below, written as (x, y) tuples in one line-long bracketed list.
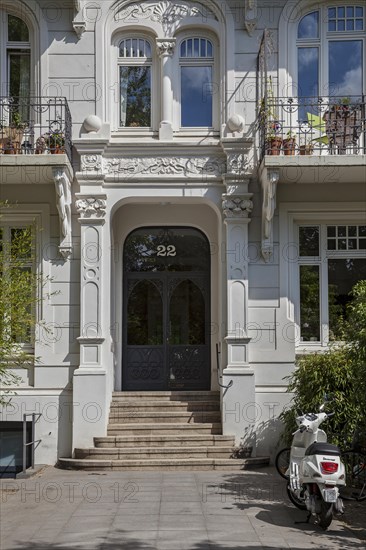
[(57, 139), (340, 371), (19, 290)]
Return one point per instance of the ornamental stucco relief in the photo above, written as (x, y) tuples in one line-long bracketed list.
[(163, 12), (165, 47), (91, 207), (236, 207), (177, 166), (91, 162), (236, 163)]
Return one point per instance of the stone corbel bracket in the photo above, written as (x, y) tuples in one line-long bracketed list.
[(269, 180), (250, 18), (79, 28), (63, 196), (79, 25)]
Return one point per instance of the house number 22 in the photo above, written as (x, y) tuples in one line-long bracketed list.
[(166, 250)]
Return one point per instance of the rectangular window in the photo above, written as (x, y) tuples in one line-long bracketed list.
[(346, 237), (310, 303), (343, 274), (345, 67), (332, 259), (135, 96), (17, 284), (349, 18), (196, 96), (308, 78), (309, 240)]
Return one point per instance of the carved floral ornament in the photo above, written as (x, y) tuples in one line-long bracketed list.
[(178, 166), (91, 162), (236, 207), (236, 163), (91, 207), (165, 47), (165, 12)]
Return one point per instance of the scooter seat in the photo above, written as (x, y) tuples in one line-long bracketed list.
[(323, 449)]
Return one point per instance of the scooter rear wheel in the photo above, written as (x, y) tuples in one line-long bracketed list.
[(324, 519), (296, 501), (282, 462)]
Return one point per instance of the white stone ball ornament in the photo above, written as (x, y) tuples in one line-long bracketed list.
[(92, 123), (236, 123)]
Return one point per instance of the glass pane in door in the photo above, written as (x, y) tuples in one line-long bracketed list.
[(187, 315), (145, 315)]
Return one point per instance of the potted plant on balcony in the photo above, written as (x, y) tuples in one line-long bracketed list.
[(343, 124), (57, 142), (12, 134), (289, 143), (269, 125), (42, 143), (273, 138)]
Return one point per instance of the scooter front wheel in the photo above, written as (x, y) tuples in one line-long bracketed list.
[(324, 519), (296, 501)]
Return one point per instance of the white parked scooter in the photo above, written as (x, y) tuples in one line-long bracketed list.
[(315, 470)]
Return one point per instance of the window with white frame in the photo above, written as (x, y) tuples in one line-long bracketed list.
[(18, 283), (196, 60), (135, 74), (15, 58), (331, 51), (332, 259)]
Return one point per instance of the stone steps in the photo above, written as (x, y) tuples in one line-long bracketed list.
[(163, 429), (170, 396), (165, 406), (157, 431), (187, 464), (137, 417), (127, 441), (139, 453)]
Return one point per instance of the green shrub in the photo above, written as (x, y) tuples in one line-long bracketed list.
[(341, 372), (318, 374)]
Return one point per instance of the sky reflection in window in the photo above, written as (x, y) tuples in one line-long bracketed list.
[(196, 96), (345, 67), (309, 26)]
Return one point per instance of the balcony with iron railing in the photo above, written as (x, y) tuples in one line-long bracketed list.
[(35, 126), (319, 126)]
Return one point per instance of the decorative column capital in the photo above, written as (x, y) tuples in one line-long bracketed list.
[(91, 208), (235, 206), (165, 46)]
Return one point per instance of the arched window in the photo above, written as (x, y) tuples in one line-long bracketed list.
[(135, 61), (15, 56), (330, 51), (196, 58)]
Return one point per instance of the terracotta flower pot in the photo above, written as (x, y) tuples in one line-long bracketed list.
[(58, 150), (306, 149), (274, 146), (289, 146)]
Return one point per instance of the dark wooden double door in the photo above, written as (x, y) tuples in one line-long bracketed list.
[(166, 336)]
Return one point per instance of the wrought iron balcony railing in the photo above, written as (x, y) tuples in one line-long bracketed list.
[(312, 126), (35, 125)]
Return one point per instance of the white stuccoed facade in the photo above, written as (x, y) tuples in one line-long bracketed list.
[(213, 180)]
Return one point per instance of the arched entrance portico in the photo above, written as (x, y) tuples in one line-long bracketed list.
[(166, 314)]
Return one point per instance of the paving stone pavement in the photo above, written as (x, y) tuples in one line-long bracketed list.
[(61, 510)]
